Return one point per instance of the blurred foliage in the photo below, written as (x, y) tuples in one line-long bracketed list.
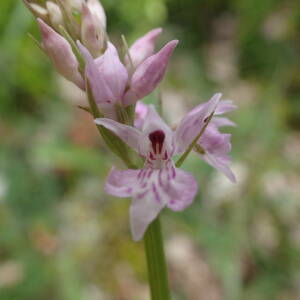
[(63, 238)]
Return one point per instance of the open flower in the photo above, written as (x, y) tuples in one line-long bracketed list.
[(213, 146), (159, 183), (110, 82)]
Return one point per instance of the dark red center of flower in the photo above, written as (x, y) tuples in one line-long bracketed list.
[(157, 139)]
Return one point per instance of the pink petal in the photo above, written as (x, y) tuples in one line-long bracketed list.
[(183, 190), (191, 125), (128, 134), (221, 164), (121, 183), (60, 53), (149, 74), (141, 111), (145, 205), (224, 107), (143, 210), (143, 47), (107, 77), (101, 91), (113, 71), (92, 32), (97, 9), (152, 189), (217, 147), (221, 122)]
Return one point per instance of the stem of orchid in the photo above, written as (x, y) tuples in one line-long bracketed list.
[(194, 142), (157, 267)]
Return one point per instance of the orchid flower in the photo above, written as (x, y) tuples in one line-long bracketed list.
[(110, 82), (159, 183)]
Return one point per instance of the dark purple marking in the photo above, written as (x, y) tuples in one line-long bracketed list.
[(139, 174), (142, 195), (150, 173), (156, 195), (157, 138), (166, 155), (160, 181), (144, 185), (173, 172)]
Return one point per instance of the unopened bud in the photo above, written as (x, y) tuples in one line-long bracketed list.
[(60, 53), (143, 47), (37, 10), (71, 11), (93, 34), (149, 74), (97, 9), (55, 15)]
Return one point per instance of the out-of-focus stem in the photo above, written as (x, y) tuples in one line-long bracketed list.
[(157, 267)]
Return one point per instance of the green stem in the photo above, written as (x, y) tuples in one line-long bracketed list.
[(157, 267)]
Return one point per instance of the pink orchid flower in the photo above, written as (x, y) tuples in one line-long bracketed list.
[(111, 84), (159, 183)]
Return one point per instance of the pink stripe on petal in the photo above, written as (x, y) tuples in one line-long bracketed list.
[(182, 190), (121, 183)]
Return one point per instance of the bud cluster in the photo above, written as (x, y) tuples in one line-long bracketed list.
[(74, 38)]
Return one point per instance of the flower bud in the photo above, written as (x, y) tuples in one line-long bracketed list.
[(37, 10), (97, 9), (55, 14), (149, 74), (60, 53), (107, 77), (143, 47), (93, 34)]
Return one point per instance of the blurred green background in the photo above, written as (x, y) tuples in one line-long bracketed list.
[(62, 238)]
